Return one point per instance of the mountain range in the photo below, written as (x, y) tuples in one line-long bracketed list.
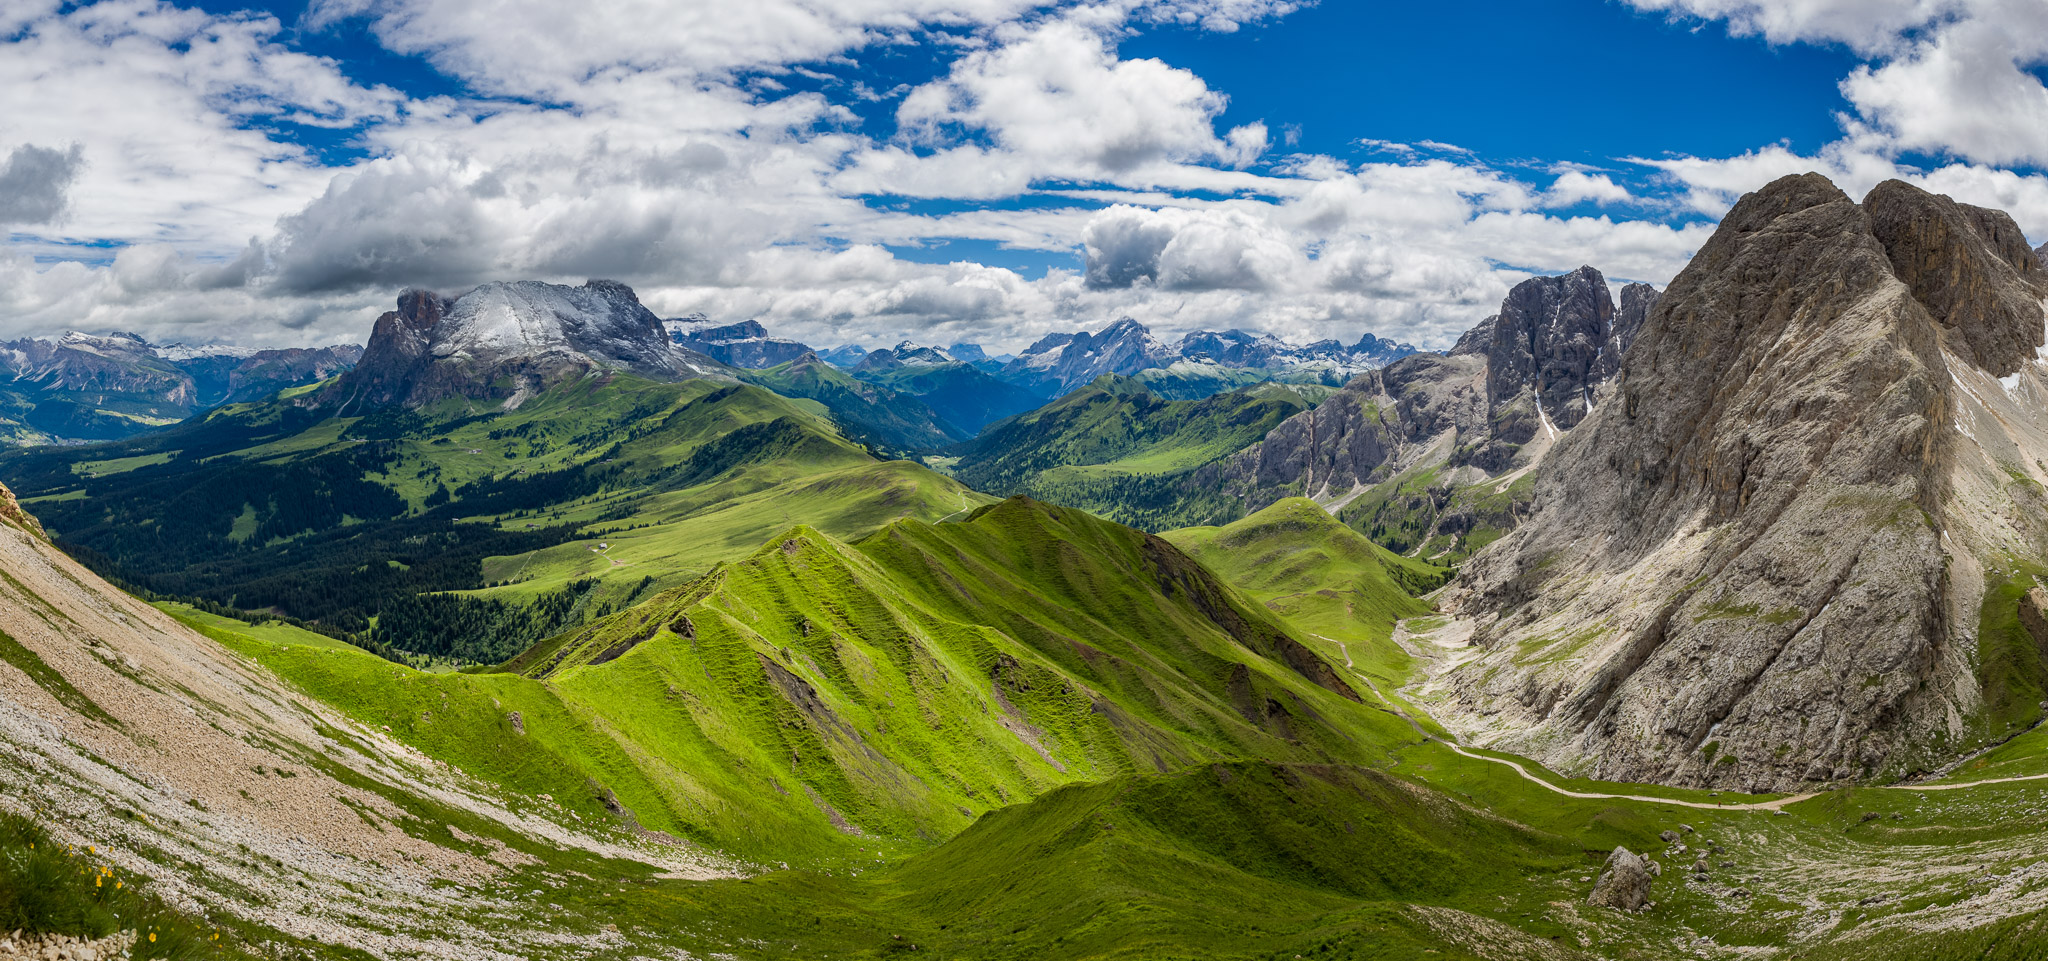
[(1640, 624), (102, 387)]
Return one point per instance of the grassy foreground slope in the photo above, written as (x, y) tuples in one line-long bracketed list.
[(818, 695), (1118, 450)]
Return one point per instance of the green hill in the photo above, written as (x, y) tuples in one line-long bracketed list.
[(1320, 576), (1224, 860), (1119, 450), (894, 689), (597, 492)]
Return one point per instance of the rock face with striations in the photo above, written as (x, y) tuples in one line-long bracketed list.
[(1760, 563), (508, 341), (1471, 415)]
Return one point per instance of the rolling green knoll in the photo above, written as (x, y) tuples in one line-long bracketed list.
[(1320, 576), (271, 505), (1118, 450), (902, 685), (818, 695), (868, 412)]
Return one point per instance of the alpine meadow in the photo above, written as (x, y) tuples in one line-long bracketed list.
[(1024, 480)]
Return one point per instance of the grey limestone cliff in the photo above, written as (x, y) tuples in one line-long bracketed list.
[(1760, 563)]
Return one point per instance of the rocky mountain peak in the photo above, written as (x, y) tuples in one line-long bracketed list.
[(1788, 506), (1969, 266), (905, 354), (1547, 343), (527, 334), (745, 344)]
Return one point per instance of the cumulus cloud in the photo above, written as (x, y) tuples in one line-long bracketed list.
[(647, 143), (33, 183), (1054, 96), (543, 48), (1954, 78), (1966, 89), (160, 101), (403, 221), (1578, 186)]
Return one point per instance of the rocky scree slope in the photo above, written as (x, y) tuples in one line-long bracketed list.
[(1765, 560), (507, 342), (182, 761), (1425, 451)]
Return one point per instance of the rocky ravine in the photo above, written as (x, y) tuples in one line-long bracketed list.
[(1761, 563), (185, 763)]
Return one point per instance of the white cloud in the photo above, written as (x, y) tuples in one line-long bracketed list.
[(656, 156), (544, 48), (1963, 91), (1577, 186), (156, 100), (1950, 78), (1054, 97), (1872, 27)]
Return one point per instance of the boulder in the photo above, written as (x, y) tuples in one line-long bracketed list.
[(1624, 883)]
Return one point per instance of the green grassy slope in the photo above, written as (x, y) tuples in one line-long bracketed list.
[(1225, 860), (272, 506), (1118, 450), (817, 693), (1320, 576)]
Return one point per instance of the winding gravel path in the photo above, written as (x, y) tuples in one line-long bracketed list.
[(1772, 805)]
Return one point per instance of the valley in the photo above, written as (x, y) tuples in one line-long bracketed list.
[(554, 629)]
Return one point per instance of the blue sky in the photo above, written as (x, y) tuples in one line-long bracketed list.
[(957, 169)]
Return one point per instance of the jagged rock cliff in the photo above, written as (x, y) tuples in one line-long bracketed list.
[(1761, 562), (507, 341), (1436, 425)]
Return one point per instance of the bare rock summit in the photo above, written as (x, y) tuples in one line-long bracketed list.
[(508, 341), (1761, 563)]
